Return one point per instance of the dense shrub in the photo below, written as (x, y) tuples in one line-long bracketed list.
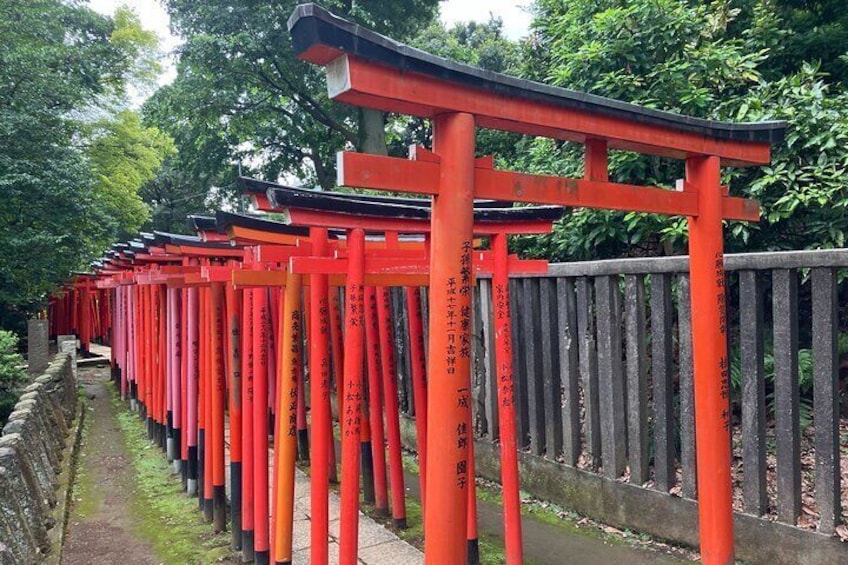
[(12, 376)]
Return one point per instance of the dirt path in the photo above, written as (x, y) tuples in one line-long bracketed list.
[(101, 528)]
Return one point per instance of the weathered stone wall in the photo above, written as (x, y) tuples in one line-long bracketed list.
[(32, 447)]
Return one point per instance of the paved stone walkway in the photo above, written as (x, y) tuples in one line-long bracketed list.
[(377, 545)]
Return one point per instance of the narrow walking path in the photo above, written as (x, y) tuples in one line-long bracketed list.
[(105, 526), (101, 526)]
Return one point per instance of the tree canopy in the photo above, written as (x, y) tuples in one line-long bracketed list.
[(69, 173), (79, 168), (714, 60), (254, 103)]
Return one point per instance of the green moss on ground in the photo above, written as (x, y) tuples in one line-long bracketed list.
[(167, 518), (86, 498)]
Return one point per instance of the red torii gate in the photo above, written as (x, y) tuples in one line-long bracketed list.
[(370, 70), (393, 215)]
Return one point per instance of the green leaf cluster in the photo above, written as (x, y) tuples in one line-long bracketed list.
[(242, 99), (12, 376), (725, 59), (70, 165)]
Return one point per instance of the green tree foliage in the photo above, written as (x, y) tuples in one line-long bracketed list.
[(711, 60), (171, 197), (252, 101), (481, 45), (125, 155), (12, 375), (59, 61)]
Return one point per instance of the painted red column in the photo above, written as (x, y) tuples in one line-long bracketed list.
[(375, 402), (217, 395), (389, 373), (449, 388), (176, 378), (351, 420), (418, 362), (709, 350), (206, 385), (247, 491), (185, 346), (193, 381), (505, 383), (262, 340), (319, 370), (234, 299), (285, 442)]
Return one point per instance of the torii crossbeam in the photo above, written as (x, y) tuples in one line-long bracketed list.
[(369, 70)]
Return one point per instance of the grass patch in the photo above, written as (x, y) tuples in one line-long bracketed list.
[(167, 518)]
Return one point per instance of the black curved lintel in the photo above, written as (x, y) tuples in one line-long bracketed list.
[(313, 28)]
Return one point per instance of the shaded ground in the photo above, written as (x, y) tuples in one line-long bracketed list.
[(101, 529)]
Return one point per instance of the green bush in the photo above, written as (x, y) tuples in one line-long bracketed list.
[(12, 375)]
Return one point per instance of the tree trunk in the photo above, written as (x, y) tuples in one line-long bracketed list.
[(372, 132), (322, 175)]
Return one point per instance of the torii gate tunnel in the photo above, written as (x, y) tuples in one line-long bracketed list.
[(369, 70)]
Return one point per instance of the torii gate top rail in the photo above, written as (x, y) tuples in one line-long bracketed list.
[(368, 70), (409, 81)]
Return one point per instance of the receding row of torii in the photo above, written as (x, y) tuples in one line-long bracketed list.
[(210, 328)]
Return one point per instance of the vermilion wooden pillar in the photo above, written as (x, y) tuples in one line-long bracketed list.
[(351, 420), (285, 442), (709, 350), (262, 340), (185, 346), (375, 404), (193, 379), (389, 373), (320, 399), (234, 301), (247, 491), (505, 383), (206, 384), (218, 402), (418, 363), (449, 389)]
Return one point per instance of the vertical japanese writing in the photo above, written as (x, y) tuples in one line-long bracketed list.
[(353, 390), (506, 383), (251, 334), (459, 345), (235, 360), (723, 367), (324, 329), (292, 371)]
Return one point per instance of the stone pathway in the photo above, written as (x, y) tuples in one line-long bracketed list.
[(377, 545), (103, 531), (101, 528)]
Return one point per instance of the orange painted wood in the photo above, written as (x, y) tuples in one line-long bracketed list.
[(360, 83), (709, 352), (449, 363), (243, 278), (249, 235), (391, 173)]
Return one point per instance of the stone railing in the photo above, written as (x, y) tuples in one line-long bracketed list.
[(32, 450)]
